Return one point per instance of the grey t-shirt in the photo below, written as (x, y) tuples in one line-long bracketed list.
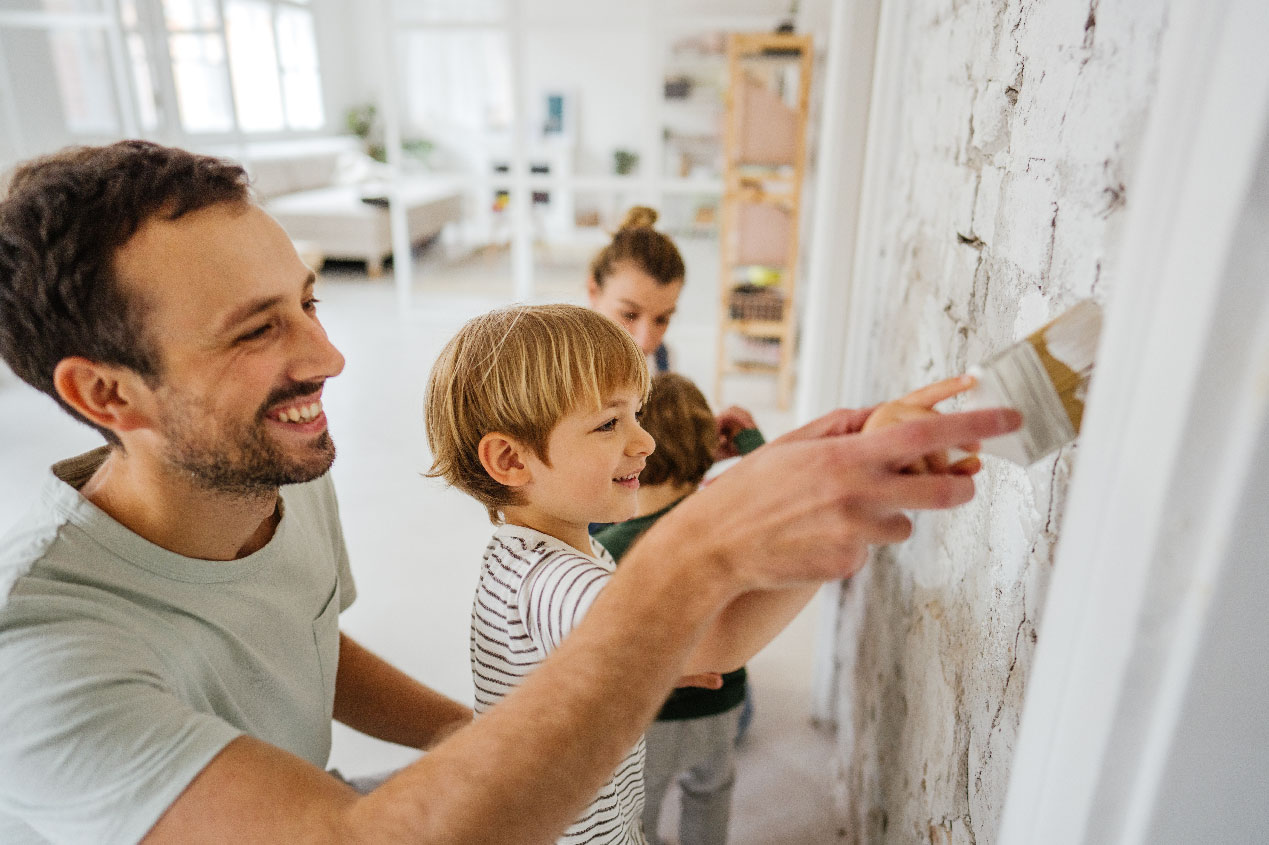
[(125, 668)]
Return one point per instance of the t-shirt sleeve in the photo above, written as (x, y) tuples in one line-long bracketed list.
[(94, 746), (555, 596)]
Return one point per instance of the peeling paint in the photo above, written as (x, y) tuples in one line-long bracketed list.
[(1011, 167)]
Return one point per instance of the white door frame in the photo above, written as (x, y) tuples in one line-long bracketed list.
[(1175, 418), (847, 155)]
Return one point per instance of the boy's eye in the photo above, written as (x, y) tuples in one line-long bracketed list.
[(608, 426)]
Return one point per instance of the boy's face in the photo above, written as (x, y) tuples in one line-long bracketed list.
[(596, 456)]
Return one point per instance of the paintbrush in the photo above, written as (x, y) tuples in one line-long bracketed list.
[(1044, 377)]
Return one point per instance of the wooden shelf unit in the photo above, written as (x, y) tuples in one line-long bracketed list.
[(764, 158)]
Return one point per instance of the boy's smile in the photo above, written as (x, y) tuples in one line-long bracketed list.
[(595, 457)]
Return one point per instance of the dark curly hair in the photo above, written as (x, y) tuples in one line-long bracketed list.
[(680, 421), (62, 221)]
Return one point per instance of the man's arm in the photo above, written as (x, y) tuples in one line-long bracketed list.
[(797, 512), (521, 773), (376, 698), (752, 620)]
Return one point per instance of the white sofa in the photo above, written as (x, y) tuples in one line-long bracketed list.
[(318, 191)]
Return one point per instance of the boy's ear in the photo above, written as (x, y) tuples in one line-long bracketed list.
[(104, 394), (503, 457)]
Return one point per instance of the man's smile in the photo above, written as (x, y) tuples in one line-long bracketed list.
[(300, 413)]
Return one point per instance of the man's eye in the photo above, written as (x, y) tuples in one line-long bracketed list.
[(255, 334), (630, 316), (310, 304)]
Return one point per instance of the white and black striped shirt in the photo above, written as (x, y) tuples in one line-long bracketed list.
[(533, 591)]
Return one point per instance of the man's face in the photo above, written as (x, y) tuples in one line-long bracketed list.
[(243, 357)]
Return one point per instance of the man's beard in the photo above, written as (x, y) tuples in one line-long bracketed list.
[(240, 459)]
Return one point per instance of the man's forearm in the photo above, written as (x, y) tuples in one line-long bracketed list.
[(798, 512), (532, 763), (377, 699)]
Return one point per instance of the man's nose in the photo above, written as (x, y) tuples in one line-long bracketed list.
[(321, 360)]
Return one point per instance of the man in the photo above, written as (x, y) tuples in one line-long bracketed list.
[(169, 610)]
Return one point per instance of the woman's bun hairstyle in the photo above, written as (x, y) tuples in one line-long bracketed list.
[(639, 217), (638, 244)]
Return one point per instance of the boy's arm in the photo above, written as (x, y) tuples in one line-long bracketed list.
[(798, 512), (745, 627)]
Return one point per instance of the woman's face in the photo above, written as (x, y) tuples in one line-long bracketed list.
[(637, 302)]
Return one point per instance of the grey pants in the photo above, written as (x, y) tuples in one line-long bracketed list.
[(702, 752)]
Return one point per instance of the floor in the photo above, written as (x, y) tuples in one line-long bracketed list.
[(415, 545)]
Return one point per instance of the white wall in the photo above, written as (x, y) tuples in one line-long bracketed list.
[(1002, 147), (606, 69)]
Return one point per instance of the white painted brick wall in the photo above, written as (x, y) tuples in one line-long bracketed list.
[(1018, 130)]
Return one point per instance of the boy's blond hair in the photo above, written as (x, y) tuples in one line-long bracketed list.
[(678, 417), (518, 371)]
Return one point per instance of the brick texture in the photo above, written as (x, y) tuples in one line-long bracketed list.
[(1019, 127)]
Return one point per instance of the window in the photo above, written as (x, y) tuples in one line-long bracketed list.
[(255, 69), (57, 79), (461, 80)]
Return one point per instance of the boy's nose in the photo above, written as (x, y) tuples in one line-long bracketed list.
[(641, 444)]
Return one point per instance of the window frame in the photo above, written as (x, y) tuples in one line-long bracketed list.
[(153, 29)]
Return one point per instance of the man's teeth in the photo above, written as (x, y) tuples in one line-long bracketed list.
[(300, 413)]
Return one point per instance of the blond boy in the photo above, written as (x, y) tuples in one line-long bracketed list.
[(532, 411)]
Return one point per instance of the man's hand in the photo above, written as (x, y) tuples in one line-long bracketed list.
[(806, 507), (920, 404)]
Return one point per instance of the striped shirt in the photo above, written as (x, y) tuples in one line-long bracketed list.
[(533, 591)]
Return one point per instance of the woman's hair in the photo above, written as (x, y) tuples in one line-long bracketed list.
[(680, 421), (637, 243), (518, 371)]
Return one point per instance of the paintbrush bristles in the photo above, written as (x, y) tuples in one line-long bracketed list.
[(1045, 377), (1067, 348)]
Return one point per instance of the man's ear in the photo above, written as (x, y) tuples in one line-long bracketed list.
[(592, 289), (503, 457), (103, 394)]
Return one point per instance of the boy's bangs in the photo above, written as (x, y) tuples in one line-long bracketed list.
[(604, 368)]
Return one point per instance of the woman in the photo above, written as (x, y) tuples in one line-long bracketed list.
[(635, 281)]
